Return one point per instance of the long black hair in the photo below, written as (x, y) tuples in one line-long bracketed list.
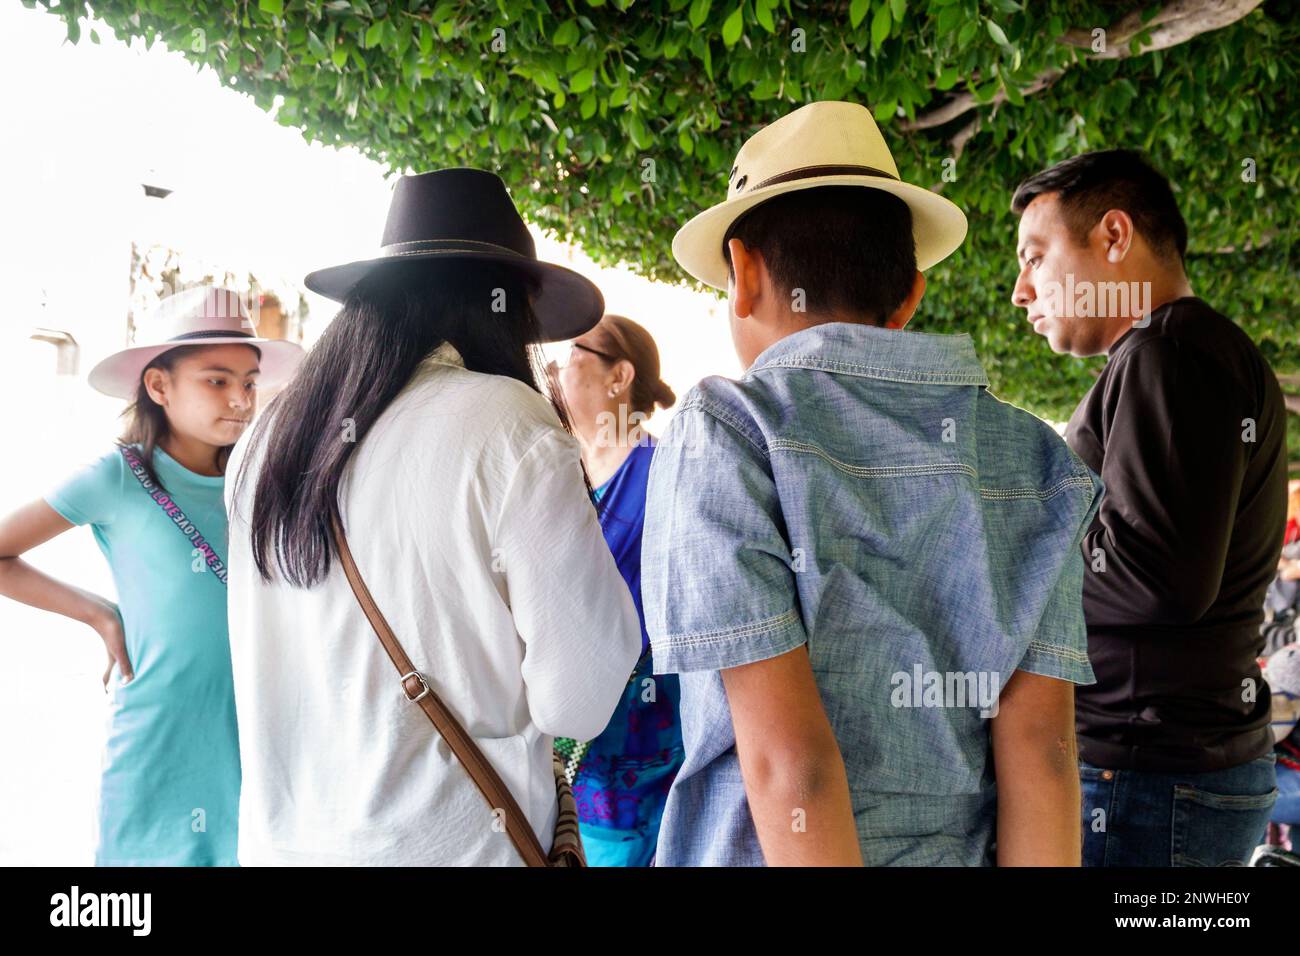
[(146, 420), (389, 323)]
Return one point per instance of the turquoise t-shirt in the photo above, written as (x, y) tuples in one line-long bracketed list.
[(169, 793)]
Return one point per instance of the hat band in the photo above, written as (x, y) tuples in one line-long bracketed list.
[(810, 172), (212, 334), (447, 245)]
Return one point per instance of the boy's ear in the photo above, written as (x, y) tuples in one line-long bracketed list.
[(903, 314), (746, 281)]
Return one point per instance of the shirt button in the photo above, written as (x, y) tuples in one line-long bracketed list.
[(1108, 775)]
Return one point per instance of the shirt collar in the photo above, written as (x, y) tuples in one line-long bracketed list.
[(444, 354), (873, 352)]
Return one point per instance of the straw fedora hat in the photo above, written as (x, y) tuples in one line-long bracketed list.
[(829, 143), (465, 213), (204, 315)]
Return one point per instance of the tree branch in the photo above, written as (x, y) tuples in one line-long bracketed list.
[(958, 143), (1177, 22)]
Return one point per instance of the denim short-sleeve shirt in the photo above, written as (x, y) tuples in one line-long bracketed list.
[(860, 491)]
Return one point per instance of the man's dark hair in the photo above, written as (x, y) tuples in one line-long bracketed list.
[(1093, 183), (850, 249)]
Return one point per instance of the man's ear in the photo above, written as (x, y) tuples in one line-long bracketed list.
[(1114, 234), (747, 278), (903, 314), (155, 382)]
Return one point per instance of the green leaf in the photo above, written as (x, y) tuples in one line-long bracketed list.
[(968, 31), (763, 13), (885, 111), (587, 108), (339, 56), (582, 80), (880, 24), (857, 11), (686, 143), (317, 48), (375, 34), (898, 8), (733, 25), (947, 79), (640, 135), (566, 34), (273, 7), (948, 19), (699, 11), (996, 33)]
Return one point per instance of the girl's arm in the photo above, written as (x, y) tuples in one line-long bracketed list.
[(24, 529)]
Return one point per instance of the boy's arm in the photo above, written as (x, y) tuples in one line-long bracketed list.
[(1037, 767), (794, 775), (1035, 747), (720, 596)]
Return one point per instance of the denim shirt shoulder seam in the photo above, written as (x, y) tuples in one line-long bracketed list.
[(721, 413), (1002, 494), (915, 376)]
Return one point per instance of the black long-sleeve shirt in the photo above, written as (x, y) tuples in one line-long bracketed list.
[(1186, 426)]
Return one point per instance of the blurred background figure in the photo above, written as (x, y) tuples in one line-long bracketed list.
[(1281, 668), (611, 384), (1282, 603), (273, 321)]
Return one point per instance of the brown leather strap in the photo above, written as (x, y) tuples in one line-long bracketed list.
[(416, 688)]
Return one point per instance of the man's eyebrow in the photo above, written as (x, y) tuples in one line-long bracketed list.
[(220, 368), (1029, 241)]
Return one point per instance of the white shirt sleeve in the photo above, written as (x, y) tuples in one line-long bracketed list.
[(571, 606)]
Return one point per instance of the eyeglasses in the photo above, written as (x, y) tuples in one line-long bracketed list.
[(588, 348), (585, 348)]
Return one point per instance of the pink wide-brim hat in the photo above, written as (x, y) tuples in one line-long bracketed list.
[(205, 315)]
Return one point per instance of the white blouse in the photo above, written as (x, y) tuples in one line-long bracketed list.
[(467, 516)]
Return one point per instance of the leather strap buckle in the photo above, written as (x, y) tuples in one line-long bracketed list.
[(423, 683)]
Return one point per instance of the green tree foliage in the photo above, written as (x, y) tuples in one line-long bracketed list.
[(615, 122)]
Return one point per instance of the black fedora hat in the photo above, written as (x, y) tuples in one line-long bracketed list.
[(467, 213)]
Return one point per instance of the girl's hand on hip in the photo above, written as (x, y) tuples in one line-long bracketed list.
[(114, 637)]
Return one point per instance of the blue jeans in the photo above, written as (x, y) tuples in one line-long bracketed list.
[(1141, 818)]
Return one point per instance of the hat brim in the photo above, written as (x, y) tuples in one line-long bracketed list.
[(938, 225), (119, 374), (566, 304)]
